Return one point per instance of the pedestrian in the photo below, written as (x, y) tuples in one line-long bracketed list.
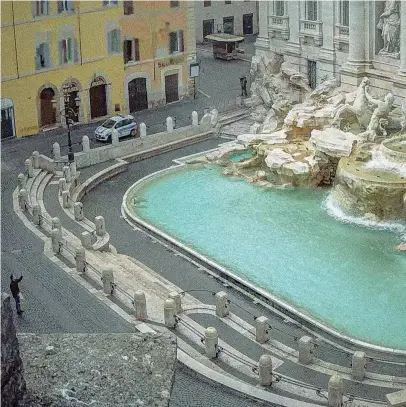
[(243, 83), (15, 291)]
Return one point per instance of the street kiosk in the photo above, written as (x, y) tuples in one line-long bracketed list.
[(225, 46)]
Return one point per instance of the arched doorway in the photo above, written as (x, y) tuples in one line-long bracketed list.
[(97, 96), (137, 94), (7, 118), (48, 113)]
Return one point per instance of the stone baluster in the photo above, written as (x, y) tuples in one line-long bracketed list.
[(56, 150), (29, 170), (178, 301), (222, 309), (140, 305), (66, 199), (169, 124), (23, 199), (305, 350), (211, 340), (73, 169), (85, 144), (195, 119), (143, 130), (56, 224), (358, 365), (262, 329), (335, 391), (36, 214), (56, 239), (86, 239), (62, 185), (100, 225), (115, 137), (35, 159), (22, 181), (265, 370), (169, 313), (78, 211), (80, 258), (66, 173), (108, 281)]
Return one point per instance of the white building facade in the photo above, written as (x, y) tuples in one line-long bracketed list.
[(233, 17), (344, 39)]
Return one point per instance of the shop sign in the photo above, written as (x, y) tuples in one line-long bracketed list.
[(170, 61), (97, 81), (70, 87)]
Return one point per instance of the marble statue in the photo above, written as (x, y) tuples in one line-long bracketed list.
[(389, 24), (380, 114)]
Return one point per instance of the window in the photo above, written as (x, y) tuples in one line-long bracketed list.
[(128, 7), (228, 25), (176, 41), (110, 2), (114, 41), (311, 10), (131, 50), (40, 8), (279, 8), (68, 52), (227, 2), (174, 3), (66, 5), (312, 73), (206, 3), (42, 56), (345, 13)]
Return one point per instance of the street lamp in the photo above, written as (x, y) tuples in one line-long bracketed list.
[(69, 113)]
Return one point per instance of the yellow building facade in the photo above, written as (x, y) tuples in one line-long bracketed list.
[(113, 56)]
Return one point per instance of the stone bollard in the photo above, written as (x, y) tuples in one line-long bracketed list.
[(85, 144), (108, 281), (358, 365), (56, 150), (35, 159), (66, 173), (211, 341), (143, 130), (169, 124), (305, 350), (195, 119), (140, 306), (262, 329), (114, 137), (56, 224), (78, 211), (66, 200), (265, 370), (55, 238), (335, 391), (36, 214), (222, 304), (178, 302), (73, 169), (100, 225), (23, 199), (22, 181), (29, 170), (80, 257), (169, 313), (62, 185), (86, 239)]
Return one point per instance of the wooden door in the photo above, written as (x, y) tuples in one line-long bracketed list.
[(137, 94), (98, 102), (48, 113), (171, 88)]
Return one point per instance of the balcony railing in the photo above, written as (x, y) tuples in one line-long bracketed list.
[(341, 35), (278, 24), (312, 29)]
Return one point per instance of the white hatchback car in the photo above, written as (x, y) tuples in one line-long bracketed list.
[(124, 124)]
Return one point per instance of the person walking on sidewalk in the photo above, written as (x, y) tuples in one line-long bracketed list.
[(243, 83), (15, 291)]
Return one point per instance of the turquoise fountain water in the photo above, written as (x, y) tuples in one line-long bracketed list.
[(284, 241)]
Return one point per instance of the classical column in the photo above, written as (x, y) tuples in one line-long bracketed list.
[(293, 47), (327, 51), (262, 41), (357, 28), (402, 67)]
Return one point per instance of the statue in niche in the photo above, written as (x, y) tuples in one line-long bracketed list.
[(389, 25)]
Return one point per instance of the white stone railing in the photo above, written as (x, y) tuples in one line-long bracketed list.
[(312, 29), (341, 35), (278, 24)]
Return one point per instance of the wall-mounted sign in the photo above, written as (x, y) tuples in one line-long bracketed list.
[(70, 87), (194, 70), (97, 81), (170, 61)]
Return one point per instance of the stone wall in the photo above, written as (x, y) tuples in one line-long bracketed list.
[(12, 380)]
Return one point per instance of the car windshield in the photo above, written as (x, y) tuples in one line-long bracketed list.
[(108, 124)]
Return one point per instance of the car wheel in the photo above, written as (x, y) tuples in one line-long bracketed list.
[(132, 133)]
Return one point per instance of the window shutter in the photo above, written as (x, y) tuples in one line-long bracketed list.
[(136, 49), (70, 5), (46, 5), (181, 41), (60, 6), (173, 39), (116, 41), (60, 50), (125, 51), (37, 58), (34, 8), (110, 42), (75, 50), (47, 55)]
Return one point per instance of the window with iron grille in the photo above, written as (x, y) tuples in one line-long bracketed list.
[(312, 74), (345, 13), (279, 8), (128, 7), (311, 10), (176, 41)]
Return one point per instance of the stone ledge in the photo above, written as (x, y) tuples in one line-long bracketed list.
[(101, 369)]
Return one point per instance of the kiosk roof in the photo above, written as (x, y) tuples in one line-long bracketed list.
[(223, 37)]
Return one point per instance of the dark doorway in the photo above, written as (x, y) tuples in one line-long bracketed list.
[(137, 94), (171, 88), (7, 119), (228, 25), (247, 23), (98, 102), (48, 113), (311, 74), (208, 28)]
